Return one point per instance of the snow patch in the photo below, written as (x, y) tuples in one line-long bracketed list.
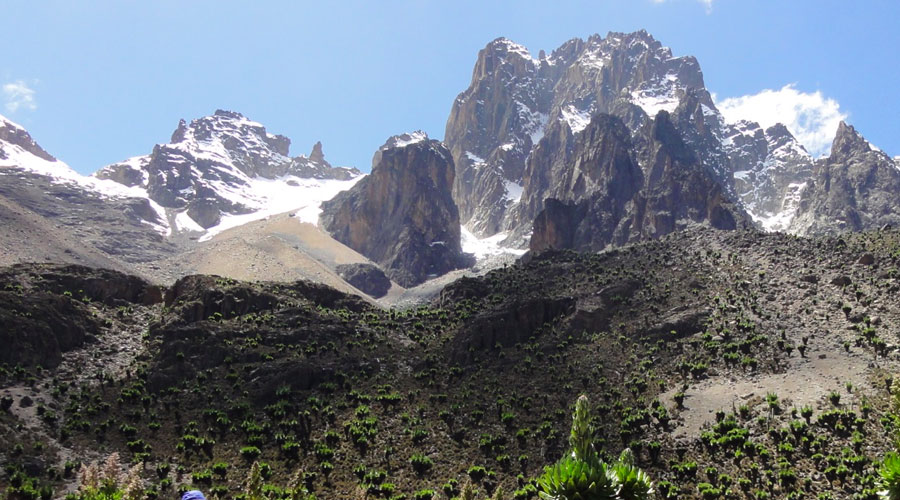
[(486, 247), (709, 112), (656, 98), (475, 159), (404, 140), (513, 191), (576, 118), (162, 228), (184, 222), (780, 221), (592, 59), (515, 48)]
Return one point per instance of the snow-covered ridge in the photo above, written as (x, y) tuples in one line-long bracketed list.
[(512, 47), (224, 170), (15, 156), (405, 139), (772, 170)]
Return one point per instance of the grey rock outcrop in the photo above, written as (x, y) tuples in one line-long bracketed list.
[(600, 195), (13, 135), (365, 277), (853, 189), (402, 216)]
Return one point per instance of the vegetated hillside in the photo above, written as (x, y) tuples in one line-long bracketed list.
[(727, 361)]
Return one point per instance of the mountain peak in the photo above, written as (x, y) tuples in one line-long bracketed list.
[(228, 114), (179, 134), (220, 167), (505, 45), (15, 135), (847, 141), (405, 139), (779, 130)]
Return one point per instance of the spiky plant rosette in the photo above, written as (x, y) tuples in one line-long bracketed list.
[(571, 479), (584, 476), (890, 476), (632, 482)]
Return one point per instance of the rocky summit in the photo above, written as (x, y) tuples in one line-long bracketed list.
[(514, 134), (212, 167), (853, 189), (402, 215), (515, 99)]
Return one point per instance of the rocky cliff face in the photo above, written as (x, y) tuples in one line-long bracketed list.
[(679, 189), (514, 99), (506, 133), (854, 189), (602, 196), (577, 195), (402, 215), (220, 165), (770, 170)]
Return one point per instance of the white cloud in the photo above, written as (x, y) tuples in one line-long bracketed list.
[(18, 95), (811, 117)]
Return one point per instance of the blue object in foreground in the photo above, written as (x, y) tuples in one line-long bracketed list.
[(193, 495)]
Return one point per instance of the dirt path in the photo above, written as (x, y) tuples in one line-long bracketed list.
[(807, 382)]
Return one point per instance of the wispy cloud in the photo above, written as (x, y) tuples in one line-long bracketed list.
[(18, 95), (811, 117), (707, 3)]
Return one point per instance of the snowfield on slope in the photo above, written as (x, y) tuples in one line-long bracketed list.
[(60, 173), (285, 194)]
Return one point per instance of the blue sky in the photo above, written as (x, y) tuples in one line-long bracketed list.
[(97, 82)]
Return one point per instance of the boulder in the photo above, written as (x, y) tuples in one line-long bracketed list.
[(368, 278)]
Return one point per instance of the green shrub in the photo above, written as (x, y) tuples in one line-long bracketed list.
[(250, 452), (424, 495), (420, 463)]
